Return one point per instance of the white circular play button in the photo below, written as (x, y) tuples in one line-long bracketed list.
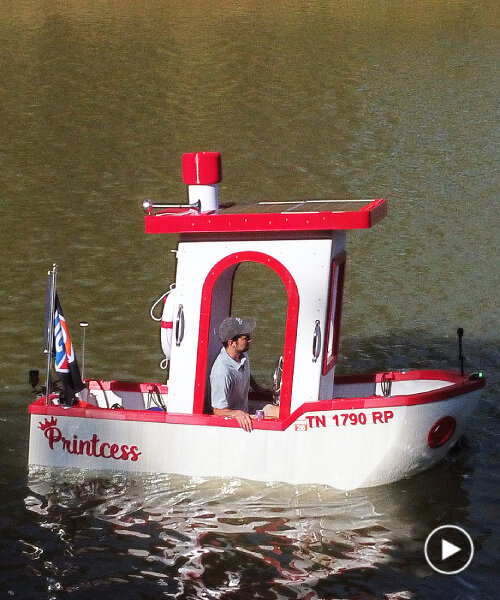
[(449, 549)]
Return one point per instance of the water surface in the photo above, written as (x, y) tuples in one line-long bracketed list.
[(304, 100)]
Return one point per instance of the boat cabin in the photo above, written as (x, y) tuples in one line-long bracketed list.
[(303, 242)]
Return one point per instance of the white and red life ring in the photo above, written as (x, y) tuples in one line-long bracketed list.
[(167, 326), (167, 322)]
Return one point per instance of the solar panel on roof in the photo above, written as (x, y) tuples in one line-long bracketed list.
[(296, 206)]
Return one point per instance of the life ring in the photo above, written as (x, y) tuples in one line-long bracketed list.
[(167, 326)]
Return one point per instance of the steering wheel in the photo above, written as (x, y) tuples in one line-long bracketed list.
[(277, 377)]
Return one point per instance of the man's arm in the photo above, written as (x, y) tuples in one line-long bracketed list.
[(221, 388), (241, 416)]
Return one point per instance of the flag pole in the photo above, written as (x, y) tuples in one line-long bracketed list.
[(50, 301), (84, 326)]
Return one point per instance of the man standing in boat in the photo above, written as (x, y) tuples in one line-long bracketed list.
[(230, 378)]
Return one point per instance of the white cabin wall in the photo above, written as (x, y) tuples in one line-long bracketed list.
[(183, 360), (311, 260), (309, 263)]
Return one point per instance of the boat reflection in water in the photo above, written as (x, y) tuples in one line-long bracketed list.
[(194, 537)]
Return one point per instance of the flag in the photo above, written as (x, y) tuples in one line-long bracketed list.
[(64, 355)]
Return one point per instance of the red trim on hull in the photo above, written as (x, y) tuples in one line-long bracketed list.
[(413, 375), (460, 385), (126, 386), (142, 416)]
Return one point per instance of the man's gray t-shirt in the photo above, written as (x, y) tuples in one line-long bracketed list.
[(230, 382)]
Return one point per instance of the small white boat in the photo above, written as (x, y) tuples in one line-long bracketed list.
[(343, 431)]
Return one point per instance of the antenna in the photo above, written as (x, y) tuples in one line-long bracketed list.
[(84, 326), (460, 333), (50, 301)]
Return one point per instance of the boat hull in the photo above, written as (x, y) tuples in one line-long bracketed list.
[(364, 442)]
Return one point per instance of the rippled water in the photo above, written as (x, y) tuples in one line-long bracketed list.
[(187, 538), (374, 99)]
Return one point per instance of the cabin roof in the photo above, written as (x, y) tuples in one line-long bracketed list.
[(290, 216)]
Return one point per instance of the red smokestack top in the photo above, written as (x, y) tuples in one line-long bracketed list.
[(201, 168)]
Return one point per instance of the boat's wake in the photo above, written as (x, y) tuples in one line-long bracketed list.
[(201, 537)]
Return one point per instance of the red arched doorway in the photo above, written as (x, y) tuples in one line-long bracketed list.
[(216, 304)]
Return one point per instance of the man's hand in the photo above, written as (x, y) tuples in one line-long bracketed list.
[(241, 416), (243, 419)]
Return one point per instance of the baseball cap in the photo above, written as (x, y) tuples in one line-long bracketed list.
[(233, 326)]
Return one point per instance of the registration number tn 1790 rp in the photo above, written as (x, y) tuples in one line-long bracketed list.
[(348, 419)]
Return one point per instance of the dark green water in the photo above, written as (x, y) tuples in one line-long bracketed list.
[(98, 100)]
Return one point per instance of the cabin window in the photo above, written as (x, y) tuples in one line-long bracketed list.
[(259, 292), (334, 312)]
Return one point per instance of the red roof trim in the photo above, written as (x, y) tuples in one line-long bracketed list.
[(363, 218)]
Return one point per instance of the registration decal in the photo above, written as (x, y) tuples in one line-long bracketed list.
[(346, 419)]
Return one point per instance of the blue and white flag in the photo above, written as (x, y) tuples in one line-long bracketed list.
[(65, 363)]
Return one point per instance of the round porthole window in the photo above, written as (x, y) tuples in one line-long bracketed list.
[(441, 432)]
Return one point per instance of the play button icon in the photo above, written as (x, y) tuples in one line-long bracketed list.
[(449, 549)]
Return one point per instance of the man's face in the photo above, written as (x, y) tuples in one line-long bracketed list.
[(242, 343)]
